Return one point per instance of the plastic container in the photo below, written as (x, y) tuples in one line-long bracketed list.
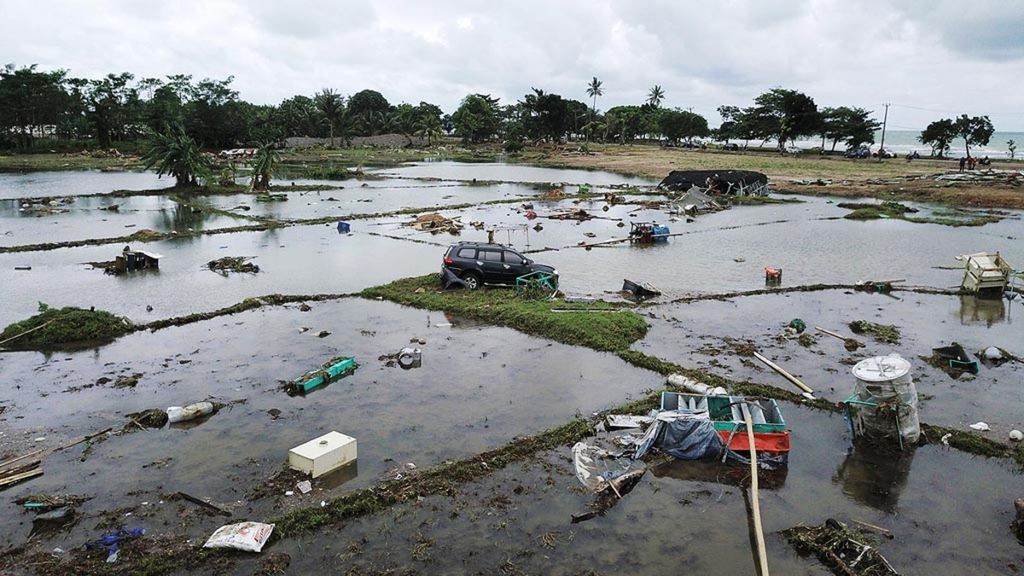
[(190, 412)]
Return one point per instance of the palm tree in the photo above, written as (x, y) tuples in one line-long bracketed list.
[(176, 153), (429, 127), (332, 106), (594, 90), (263, 164), (655, 96)]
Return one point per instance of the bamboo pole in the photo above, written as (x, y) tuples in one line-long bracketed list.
[(831, 333), (10, 461), (40, 327), (808, 392), (755, 505)]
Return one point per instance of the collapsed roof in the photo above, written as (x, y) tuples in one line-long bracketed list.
[(726, 181)]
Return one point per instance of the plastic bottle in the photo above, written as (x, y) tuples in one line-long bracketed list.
[(190, 412)]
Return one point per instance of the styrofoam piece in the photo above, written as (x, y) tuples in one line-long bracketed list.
[(324, 454)]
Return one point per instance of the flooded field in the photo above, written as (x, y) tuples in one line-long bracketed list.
[(483, 387)]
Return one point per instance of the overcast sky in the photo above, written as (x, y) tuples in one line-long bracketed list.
[(929, 58)]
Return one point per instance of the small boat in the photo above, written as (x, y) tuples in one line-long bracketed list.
[(771, 439), (330, 371), (640, 290)]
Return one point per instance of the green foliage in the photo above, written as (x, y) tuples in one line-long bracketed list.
[(175, 153), (31, 100), (655, 96), (64, 327), (598, 330), (1012, 147), (679, 124), (331, 106), (938, 135), (977, 130), (263, 164), (854, 126), (782, 115), (476, 119)]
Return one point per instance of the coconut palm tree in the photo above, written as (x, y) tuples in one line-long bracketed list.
[(176, 153), (263, 164), (429, 127), (332, 106), (594, 90), (655, 96)]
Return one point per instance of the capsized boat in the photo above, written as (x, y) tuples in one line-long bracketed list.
[(771, 439)]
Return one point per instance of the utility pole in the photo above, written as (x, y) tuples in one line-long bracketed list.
[(881, 145)]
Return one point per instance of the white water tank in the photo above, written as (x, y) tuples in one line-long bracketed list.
[(884, 403)]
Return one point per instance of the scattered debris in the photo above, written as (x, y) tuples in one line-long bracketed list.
[(152, 418), (640, 290), (980, 427), (615, 421), (1018, 523), (204, 504), (985, 273), (1016, 435), (324, 454), (240, 264), (844, 551), (47, 502), (191, 412), (131, 381), (245, 536), (953, 360), (323, 334), (725, 182), (883, 406), (851, 344), (807, 391), (112, 541), (888, 333), (435, 224), (329, 371)]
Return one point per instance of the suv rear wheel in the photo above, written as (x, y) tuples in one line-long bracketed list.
[(472, 280)]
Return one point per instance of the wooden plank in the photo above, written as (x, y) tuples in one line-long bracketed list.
[(204, 504), (808, 392), (23, 476), (755, 505), (6, 463)]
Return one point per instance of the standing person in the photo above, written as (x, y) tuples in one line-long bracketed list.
[(963, 162)]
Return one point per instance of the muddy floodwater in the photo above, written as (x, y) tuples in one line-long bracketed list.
[(482, 387)]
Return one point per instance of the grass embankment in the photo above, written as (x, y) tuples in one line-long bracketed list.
[(54, 328), (598, 325)]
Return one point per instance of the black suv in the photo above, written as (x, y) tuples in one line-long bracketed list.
[(477, 263)]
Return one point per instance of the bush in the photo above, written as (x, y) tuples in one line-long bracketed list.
[(61, 327)]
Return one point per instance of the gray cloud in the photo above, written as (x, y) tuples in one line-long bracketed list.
[(932, 55)]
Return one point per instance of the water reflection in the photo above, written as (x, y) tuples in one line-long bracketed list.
[(987, 311), (716, 472), (875, 477)]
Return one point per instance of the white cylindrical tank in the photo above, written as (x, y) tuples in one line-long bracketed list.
[(884, 405)]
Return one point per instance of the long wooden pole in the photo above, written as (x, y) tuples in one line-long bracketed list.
[(808, 392), (30, 330), (755, 505)]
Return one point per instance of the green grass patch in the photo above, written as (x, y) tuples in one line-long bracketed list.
[(597, 325), (64, 327), (761, 200)]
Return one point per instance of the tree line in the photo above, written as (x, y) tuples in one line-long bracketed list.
[(120, 108)]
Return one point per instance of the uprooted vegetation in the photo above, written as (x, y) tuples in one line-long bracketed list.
[(60, 327), (887, 333), (597, 325), (845, 551), (239, 264)]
